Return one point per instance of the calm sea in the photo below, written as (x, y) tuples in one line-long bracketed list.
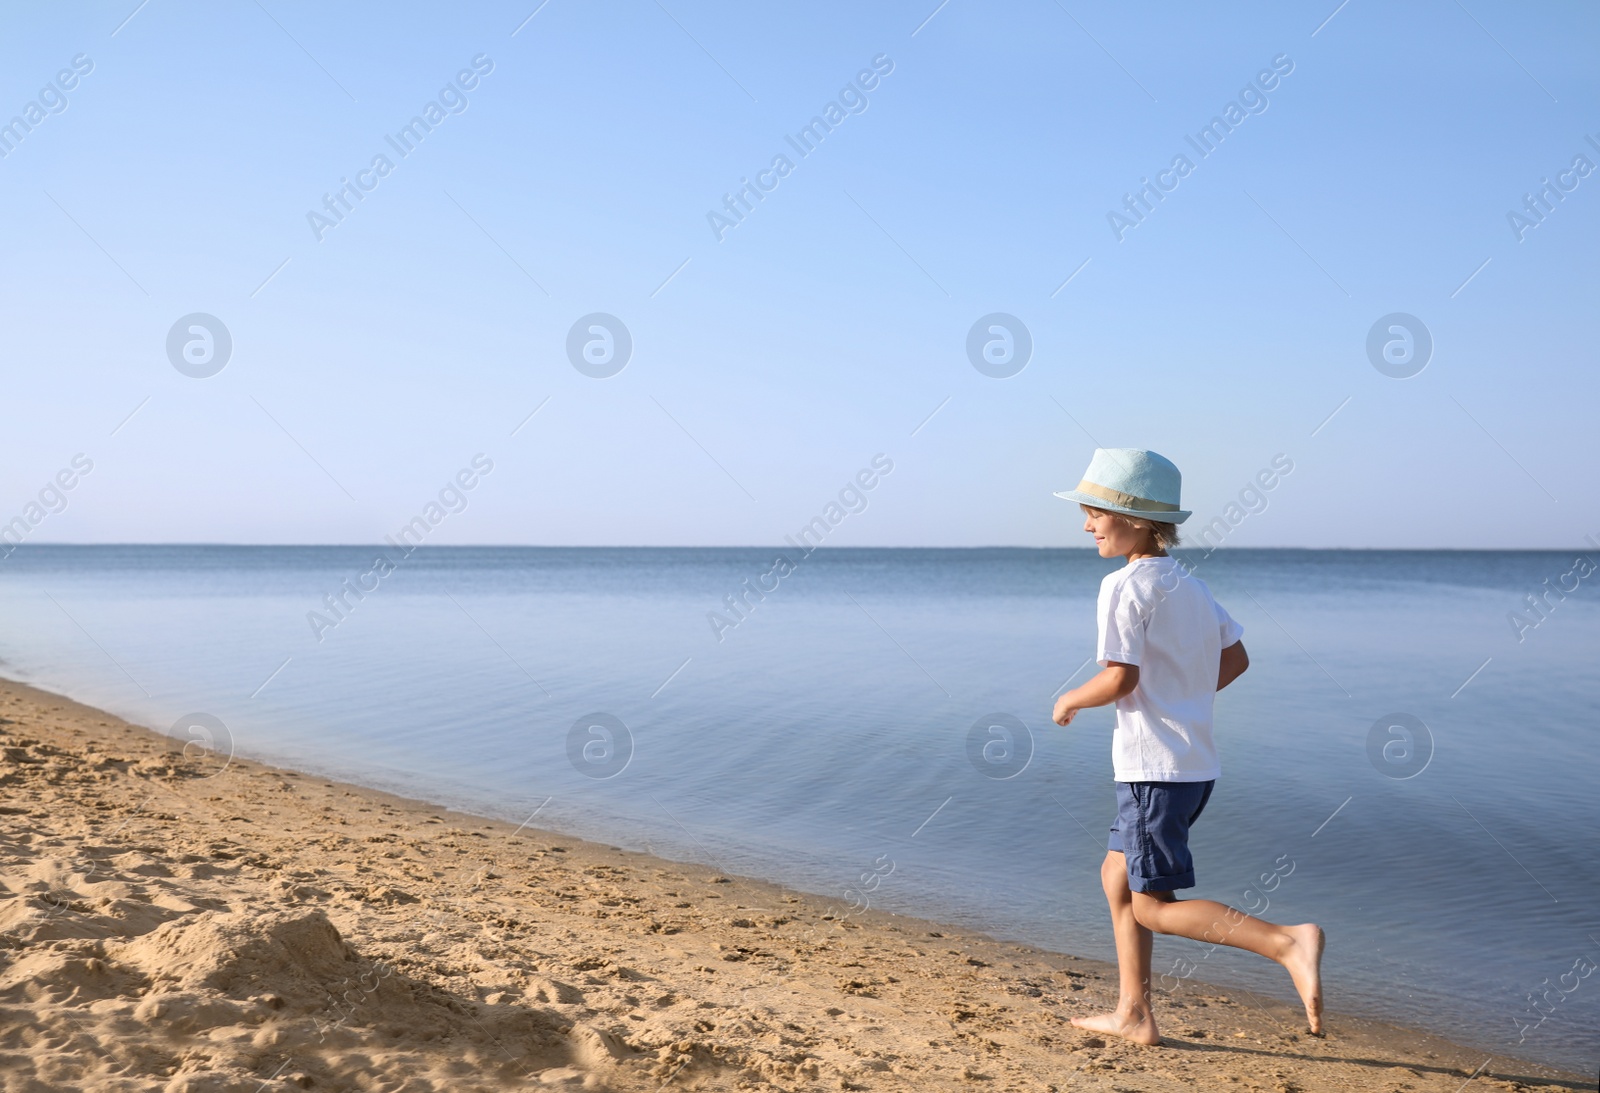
[(1404, 763)]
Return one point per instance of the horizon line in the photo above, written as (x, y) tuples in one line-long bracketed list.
[(14, 547)]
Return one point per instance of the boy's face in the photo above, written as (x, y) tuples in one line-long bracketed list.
[(1112, 535)]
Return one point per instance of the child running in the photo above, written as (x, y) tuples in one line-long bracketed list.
[(1165, 649)]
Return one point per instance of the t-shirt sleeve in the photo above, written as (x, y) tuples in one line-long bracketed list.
[(1231, 630), (1122, 621)]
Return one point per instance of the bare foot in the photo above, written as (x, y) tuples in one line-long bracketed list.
[(1138, 1026), (1304, 963)]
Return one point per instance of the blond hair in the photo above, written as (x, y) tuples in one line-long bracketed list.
[(1163, 534)]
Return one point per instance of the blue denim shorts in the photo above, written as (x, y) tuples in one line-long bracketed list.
[(1152, 832)]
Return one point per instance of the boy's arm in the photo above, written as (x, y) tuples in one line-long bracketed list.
[(1114, 681), (1234, 661)]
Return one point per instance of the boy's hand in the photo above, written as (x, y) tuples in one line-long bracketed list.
[(1116, 680)]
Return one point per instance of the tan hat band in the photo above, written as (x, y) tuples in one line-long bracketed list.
[(1126, 500)]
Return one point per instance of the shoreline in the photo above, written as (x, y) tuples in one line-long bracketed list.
[(167, 925)]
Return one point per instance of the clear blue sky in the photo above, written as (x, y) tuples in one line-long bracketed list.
[(827, 326)]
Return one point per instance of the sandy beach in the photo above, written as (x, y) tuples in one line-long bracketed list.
[(168, 925)]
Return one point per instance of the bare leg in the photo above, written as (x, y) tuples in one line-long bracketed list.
[(1132, 1019), (1297, 948)]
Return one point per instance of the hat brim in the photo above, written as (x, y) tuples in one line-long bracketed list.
[(1094, 502)]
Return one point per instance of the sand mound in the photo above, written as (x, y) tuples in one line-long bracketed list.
[(297, 955), (232, 1000)]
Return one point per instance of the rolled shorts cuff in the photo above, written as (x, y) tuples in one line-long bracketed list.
[(1161, 884), (1138, 883)]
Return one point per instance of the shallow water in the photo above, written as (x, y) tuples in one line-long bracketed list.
[(829, 735)]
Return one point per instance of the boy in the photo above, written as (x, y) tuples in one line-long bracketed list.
[(1165, 647)]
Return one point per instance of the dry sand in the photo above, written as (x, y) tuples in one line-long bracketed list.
[(167, 927)]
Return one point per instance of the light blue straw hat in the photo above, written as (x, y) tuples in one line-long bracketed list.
[(1131, 482)]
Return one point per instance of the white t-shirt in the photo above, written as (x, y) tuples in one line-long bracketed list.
[(1155, 616)]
